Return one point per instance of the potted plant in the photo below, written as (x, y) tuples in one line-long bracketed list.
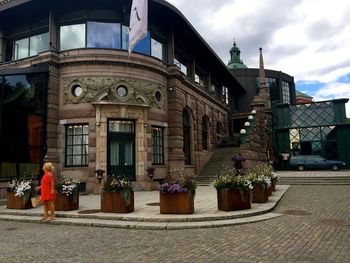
[(150, 172), (274, 180), (233, 192), (260, 176), (177, 193), (238, 160), (117, 195), (67, 196), (19, 193)]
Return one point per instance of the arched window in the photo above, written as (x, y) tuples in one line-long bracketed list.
[(205, 133), (186, 136), (219, 128)]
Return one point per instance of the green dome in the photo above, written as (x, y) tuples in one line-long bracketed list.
[(235, 62)]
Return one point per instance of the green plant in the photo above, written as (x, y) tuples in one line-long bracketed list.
[(228, 180), (179, 181), (115, 184), (21, 187)]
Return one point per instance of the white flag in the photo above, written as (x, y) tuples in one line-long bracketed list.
[(138, 22)]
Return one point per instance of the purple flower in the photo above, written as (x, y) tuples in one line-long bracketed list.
[(239, 157), (172, 188)]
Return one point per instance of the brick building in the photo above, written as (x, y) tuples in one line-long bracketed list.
[(71, 95)]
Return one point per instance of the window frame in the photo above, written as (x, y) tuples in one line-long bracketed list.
[(82, 144), (157, 149)]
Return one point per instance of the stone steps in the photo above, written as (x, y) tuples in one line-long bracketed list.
[(343, 180)]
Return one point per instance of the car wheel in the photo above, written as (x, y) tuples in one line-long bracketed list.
[(335, 167), (301, 167)]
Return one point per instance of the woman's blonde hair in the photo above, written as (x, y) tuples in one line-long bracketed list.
[(48, 166)]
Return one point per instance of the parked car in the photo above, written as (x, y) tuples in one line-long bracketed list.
[(302, 162)]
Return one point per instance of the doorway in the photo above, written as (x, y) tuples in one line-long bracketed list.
[(121, 149)]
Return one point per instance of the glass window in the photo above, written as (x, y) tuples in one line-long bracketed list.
[(156, 49), (21, 48), (181, 66), (72, 36), (225, 94), (125, 37), (205, 133), (157, 145), (121, 126), (39, 43), (103, 35), (77, 145), (285, 92), (144, 46)]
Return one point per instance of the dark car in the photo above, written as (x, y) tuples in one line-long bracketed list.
[(314, 162)]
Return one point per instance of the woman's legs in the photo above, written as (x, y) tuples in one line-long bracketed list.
[(52, 210), (46, 210)]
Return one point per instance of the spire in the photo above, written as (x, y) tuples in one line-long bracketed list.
[(235, 61), (262, 78)]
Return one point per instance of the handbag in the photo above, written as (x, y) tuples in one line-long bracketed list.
[(36, 201)]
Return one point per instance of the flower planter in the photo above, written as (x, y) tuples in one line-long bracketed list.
[(260, 194), (67, 203), (18, 202), (176, 203), (230, 200), (273, 187), (269, 191), (113, 202)]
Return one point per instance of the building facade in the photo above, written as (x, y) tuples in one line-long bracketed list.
[(70, 93)]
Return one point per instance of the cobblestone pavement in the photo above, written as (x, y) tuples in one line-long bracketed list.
[(315, 227)]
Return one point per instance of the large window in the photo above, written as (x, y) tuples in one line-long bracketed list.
[(77, 145), (225, 94), (205, 133), (21, 124), (285, 92), (157, 145), (103, 35), (186, 136), (31, 46), (72, 36), (180, 65), (156, 49)]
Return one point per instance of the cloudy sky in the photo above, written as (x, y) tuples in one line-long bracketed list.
[(308, 39)]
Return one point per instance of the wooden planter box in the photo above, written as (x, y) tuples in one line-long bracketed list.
[(17, 202), (260, 194), (273, 187), (231, 200), (113, 202), (176, 203), (269, 191), (66, 203)]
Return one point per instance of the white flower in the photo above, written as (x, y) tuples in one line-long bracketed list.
[(253, 112), (274, 175), (22, 187), (247, 124), (250, 117), (243, 131)]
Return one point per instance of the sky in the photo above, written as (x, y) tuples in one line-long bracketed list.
[(307, 39)]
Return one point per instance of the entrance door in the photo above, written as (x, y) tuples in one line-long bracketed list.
[(121, 151)]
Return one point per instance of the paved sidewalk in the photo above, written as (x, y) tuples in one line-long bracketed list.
[(147, 216)]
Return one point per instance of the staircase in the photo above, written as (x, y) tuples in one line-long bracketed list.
[(319, 178), (220, 158)]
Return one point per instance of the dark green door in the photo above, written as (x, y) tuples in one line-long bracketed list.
[(121, 153)]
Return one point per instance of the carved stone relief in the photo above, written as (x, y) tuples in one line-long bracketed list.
[(113, 90)]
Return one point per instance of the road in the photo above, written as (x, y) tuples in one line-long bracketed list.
[(315, 227)]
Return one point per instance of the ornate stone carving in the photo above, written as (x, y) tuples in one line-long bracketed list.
[(105, 89)]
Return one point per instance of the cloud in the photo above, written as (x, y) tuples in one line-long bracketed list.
[(306, 39)]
